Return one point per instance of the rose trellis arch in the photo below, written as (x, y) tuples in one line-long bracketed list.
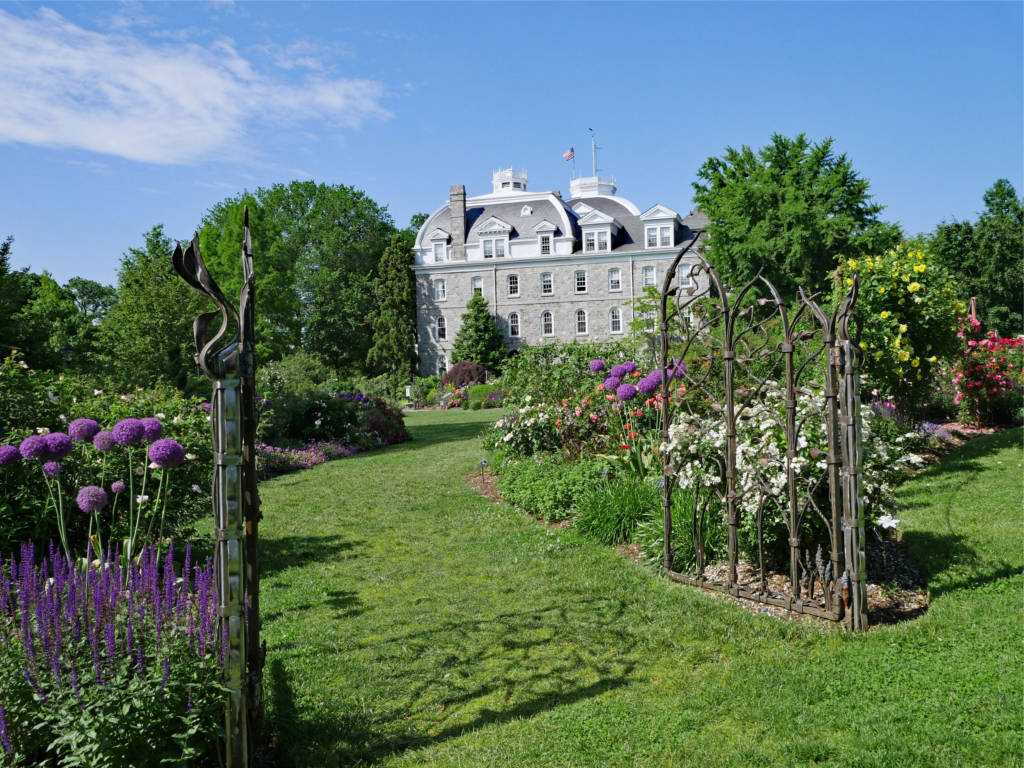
[(766, 433)]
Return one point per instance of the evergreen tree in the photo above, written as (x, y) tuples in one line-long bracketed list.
[(479, 340), (394, 318), (988, 257), (792, 209)]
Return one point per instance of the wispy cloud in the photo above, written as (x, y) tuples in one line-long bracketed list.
[(117, 94)]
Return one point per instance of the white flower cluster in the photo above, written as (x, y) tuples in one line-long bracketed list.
[(528, 430), (696, 448)]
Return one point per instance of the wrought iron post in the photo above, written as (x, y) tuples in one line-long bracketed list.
[(850, 429), (229, 363)]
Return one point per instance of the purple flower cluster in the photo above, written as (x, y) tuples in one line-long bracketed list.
[(167, 453), (273, 461), (68, 620), (83, 430), (104, 440), (596, 366), (8, 455), (91, 498), (129, 431), (151, 428)]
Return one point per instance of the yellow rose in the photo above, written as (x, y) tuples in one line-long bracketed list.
[(885, 314), (849, 281), (915, 362), (906, 278), (932, 359), (863, 345), (904, 355), (903, 327), (881, 290), (919, 267), (851, 263), (914, 287)]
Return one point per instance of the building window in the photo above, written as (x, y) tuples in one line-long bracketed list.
[(665, 236), (546, 286), (545, 245), (602, 241), (547, 324), (442, 328), (439, 292), (513, 324), (649, 276), (614, 279), (442, 366), (478, 286), (581, 281), (499, 248), (488, 249), (588, 241), (683, 276), (615, 320), (652, 237), (660, 236), (581, 322), (438, 251), (513, 285), (494, 247)]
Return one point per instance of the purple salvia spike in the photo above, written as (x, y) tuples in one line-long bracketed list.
[(74, 686), (110, 645), (5, 738)]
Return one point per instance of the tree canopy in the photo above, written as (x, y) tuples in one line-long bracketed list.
[(317, 248), (394, 317), (987, 257), (792, 208)]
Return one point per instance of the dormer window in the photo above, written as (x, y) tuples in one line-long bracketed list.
[(545, 245), (660, 236), (494, 247), (438, 251), (494, 234), (438, 244), (598, 229)]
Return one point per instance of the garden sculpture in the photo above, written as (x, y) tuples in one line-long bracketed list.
[(229, 362)]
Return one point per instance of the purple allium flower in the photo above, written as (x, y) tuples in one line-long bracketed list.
[(626, 392), (152, 429), (167, 453), (617, 371), (647, 385), (104, 440), (129, 431), (655, 376), (83, 430), (58, 445), (611, 383), (8, 455), (34, 447), (51, 469), (92, 498), (629, 366), (596, 365), (117, 487)]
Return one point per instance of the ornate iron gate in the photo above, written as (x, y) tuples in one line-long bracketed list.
[(229, 361), (754, 358)]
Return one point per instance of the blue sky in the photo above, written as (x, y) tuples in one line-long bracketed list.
[(119, 116)]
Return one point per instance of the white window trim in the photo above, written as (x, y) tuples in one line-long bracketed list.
[(473, 283), (606, 231), (516, 326), (611, 328), (508, 285), (552, 316), (610, 271), (444, 289), (656, 229), (671, 236), (643, 276), (586, 322), (683, 279), (551, 281), (435, 244), (576, 285), (551, 244), (440, 324)]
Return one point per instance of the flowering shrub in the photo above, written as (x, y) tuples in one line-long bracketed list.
[(988, 377), (108, 666), (697, 444), (552, 372), (272, 461), (907, 309)]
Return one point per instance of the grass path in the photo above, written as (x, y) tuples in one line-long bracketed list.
[(410, 621)]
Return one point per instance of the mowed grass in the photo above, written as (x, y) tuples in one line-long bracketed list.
[(410, 621)]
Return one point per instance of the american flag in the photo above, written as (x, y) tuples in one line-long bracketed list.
[(567, 156)]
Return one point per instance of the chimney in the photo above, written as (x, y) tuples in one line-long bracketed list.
[(457, 208)]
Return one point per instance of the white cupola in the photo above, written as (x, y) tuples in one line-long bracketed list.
[(508, 180), (591, 186)]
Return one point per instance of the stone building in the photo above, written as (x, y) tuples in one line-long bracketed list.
[(549, 268)]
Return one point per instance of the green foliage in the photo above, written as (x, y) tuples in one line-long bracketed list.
[(650, 533), (41, 400), (546, 487), (317, 247), (907, 310), (553, 372), (792, 208), (147, 336), (479, 340), (610, 511), (394, 316), (987, 257), (480, 392)]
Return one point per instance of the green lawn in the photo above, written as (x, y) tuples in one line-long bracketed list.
[(410, 621)]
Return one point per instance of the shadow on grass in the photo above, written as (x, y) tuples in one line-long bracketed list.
[(457, 677), (967, 457), (286, 552), (948, 563)]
